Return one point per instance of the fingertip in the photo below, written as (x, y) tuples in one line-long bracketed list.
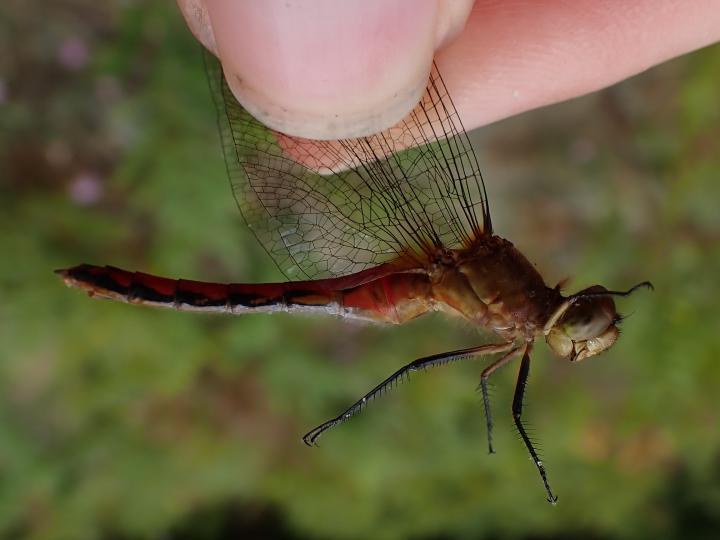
[(324, 69), (198, 21)]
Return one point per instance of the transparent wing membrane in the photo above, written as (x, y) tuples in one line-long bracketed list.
[(330, 208)]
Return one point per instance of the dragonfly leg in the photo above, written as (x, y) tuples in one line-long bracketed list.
[(517, 407), (312, 436), (500, 362)]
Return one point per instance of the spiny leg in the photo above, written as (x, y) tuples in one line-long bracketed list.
[(517, 407), (486, 398), (312, 436)]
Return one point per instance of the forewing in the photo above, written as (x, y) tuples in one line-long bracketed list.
[(375, 201)]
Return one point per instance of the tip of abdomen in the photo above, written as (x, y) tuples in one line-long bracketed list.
[(78, 274), (94, 280)]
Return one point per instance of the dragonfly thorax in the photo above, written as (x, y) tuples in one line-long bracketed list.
[(494, 286)]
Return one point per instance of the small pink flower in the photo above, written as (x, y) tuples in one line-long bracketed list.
[(86, 189), (73, 53)]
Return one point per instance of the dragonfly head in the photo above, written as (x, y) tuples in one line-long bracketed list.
[(586, 323)]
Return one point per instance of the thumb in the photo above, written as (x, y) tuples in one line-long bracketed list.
[(325, 69)]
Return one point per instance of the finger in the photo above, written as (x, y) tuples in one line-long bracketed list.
[(519, 55), (322, 68)]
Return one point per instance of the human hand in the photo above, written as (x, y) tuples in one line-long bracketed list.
[(328, 69)]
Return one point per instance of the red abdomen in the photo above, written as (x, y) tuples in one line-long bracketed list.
[(386, 293)]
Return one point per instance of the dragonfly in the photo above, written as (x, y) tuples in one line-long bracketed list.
[(383, 228)]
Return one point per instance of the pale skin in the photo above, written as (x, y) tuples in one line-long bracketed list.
[(327, 69)]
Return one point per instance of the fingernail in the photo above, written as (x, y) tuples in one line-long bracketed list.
[(327, 69)]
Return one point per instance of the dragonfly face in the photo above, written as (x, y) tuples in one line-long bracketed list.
[(587, 327)]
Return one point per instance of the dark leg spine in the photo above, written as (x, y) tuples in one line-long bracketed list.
[(517, 407)]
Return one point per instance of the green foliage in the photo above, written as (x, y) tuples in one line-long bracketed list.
[(116, 420)]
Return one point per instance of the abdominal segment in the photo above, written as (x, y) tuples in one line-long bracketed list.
[(379, 295)]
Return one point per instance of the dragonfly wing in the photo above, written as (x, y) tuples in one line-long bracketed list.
[(373, 202)]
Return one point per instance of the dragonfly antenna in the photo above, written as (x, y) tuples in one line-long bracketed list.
[(578, 296)]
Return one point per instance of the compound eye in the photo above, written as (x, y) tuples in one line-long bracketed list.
[(587, 321)]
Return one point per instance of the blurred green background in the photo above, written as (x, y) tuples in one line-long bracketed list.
[(131, 423)]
